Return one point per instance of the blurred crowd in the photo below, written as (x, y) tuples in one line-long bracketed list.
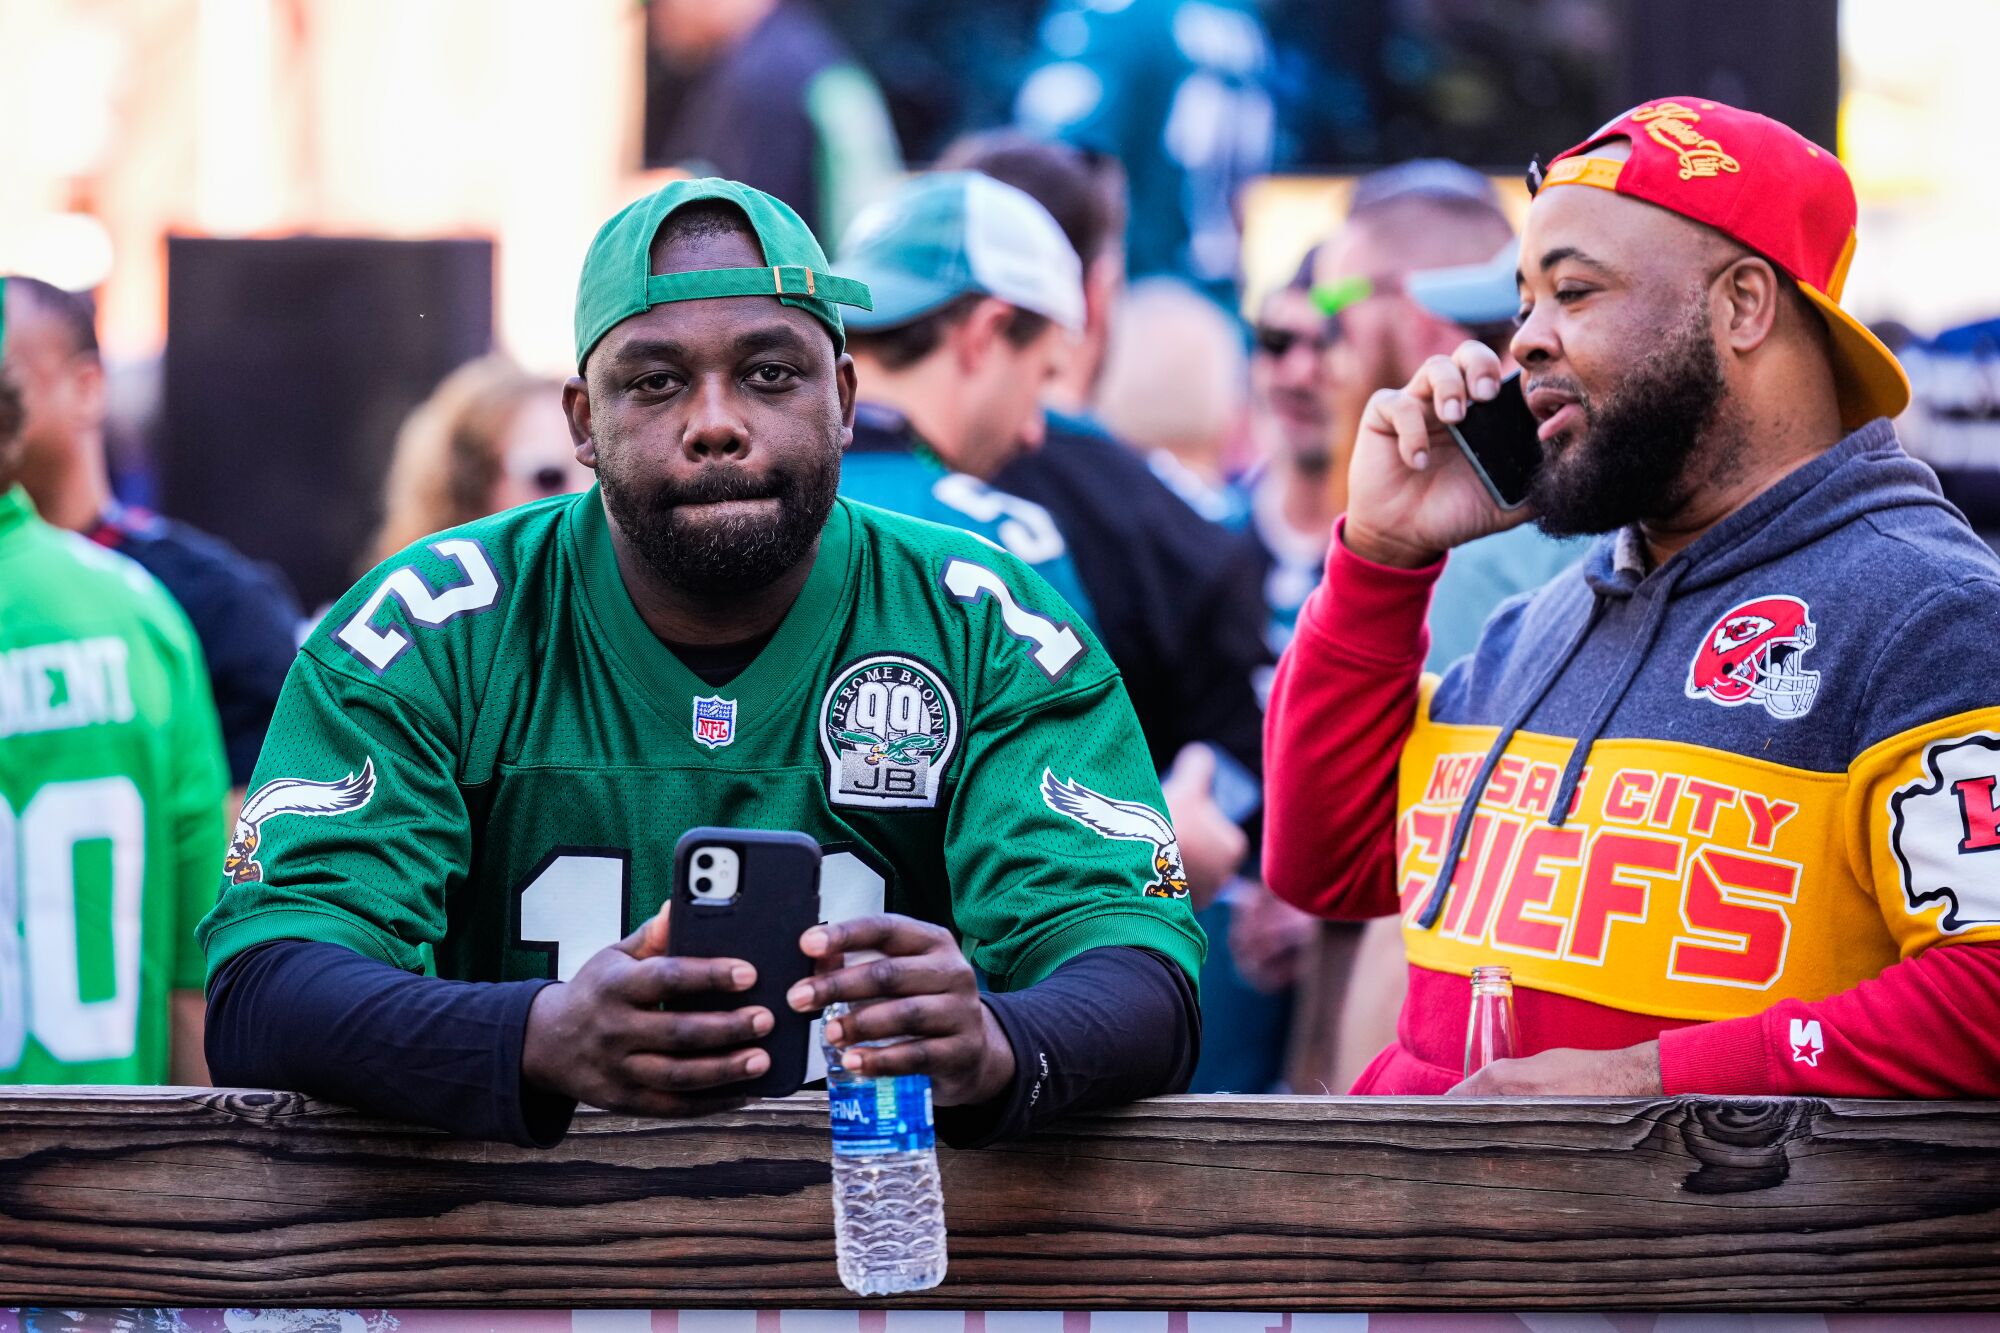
[(1171, 458)]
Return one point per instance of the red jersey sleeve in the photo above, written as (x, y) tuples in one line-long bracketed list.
[(1342, 704)]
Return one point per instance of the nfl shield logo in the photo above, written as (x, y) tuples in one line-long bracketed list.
[(715, 721)]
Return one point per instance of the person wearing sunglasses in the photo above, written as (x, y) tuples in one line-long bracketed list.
[(1424, 261), (490, 436)]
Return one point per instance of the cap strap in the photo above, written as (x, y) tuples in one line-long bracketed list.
[(1603, 172), (788, 280)]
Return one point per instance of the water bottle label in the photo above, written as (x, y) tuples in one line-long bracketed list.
[(883, 1115)]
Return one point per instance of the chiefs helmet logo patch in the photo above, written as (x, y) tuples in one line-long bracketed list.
[(1753, 655)]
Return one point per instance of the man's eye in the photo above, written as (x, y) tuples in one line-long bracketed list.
[(657, 382), (1570, 295), (773, 373)]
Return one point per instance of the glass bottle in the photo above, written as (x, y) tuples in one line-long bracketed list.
[(1490, 1031)]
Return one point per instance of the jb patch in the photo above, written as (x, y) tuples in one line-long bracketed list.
[(888, 725)]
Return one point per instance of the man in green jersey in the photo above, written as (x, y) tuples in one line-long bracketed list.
[(977, 295), (111, 805), (442, 890)]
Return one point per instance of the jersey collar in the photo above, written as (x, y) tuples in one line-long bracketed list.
[(16, 510), (763, 686), (881, 429)]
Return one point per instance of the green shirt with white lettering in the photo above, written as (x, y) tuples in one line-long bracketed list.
[(483, 758), (112, 784)]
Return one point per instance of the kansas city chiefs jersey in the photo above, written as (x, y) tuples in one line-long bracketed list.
[(483, 758)]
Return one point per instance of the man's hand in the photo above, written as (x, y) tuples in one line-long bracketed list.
[(1212, 846), (921, 995), (1268, 937), (602, 1037), (1631, 1072), (1411, 495)]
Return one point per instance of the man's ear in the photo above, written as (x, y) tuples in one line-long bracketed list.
[(1102, 282), (844, 383), (973, 337), (1750, 292), (86, 386), (576, 407)]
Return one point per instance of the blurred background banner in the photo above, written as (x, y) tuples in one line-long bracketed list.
[(452, 158)]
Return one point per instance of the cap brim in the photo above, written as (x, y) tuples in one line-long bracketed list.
[(900, 298), (1470, 293), (1867, 376)]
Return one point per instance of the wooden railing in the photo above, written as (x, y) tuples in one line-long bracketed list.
[(216, 1198)]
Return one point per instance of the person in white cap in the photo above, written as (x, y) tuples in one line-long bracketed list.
[(977, 296)]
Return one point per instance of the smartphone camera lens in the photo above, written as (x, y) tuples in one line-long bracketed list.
[(704, 884), (704, 861)]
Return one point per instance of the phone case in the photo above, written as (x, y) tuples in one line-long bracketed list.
[(1507, 427), (776, 901)]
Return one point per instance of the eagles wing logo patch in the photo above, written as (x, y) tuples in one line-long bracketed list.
[(1133, 821), (291, 796)]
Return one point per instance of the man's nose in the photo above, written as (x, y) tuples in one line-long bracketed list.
[(715, 427), (1301, 361), (1534, 343)]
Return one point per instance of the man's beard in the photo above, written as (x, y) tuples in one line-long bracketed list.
[(1631, 461), (740, 554)]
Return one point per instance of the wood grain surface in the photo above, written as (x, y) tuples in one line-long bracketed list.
[(214, 1198)]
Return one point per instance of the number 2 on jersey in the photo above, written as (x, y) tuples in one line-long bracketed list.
[(380, 647)]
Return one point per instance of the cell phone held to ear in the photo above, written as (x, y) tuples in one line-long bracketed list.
[(750, 894), (1501, 439)]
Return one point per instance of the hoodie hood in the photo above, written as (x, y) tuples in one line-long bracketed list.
[(1865, 473)]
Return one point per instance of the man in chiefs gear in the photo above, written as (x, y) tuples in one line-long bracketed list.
[(1717, 801)]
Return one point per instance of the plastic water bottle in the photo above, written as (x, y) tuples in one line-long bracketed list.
[(888, 1208)]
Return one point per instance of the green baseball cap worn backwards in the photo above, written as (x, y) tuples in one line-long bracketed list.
[(618, 281)]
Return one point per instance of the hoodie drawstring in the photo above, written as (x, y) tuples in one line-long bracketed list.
[(1635, 658), (1614, 694), (1441, 889)]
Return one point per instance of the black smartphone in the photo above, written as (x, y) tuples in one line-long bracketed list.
[(750, 894), (1499, 437)]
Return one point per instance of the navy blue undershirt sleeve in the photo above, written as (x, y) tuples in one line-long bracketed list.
[(319, 1018), (1109, 1026)]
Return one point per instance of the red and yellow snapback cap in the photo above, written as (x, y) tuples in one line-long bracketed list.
[(1767, 186)]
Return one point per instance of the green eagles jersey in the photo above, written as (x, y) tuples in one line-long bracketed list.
[(483, 758), (112, 785), (890, 467)]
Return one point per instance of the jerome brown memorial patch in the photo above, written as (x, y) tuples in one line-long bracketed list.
[(888, 725)]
